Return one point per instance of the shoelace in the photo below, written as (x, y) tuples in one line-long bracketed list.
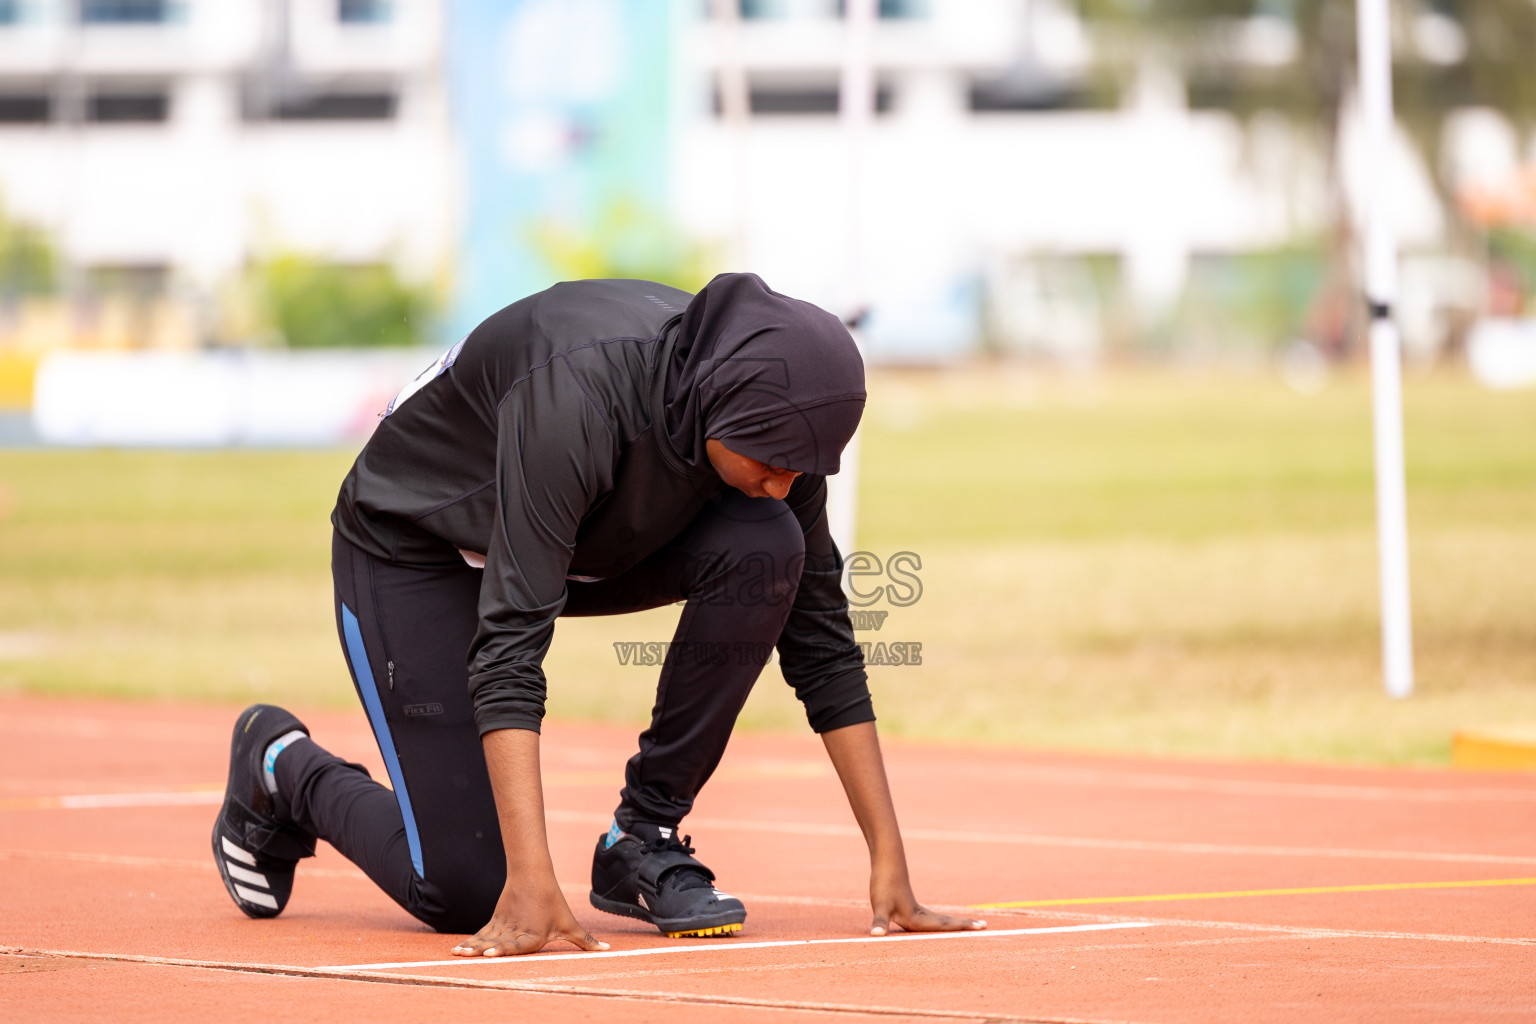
[(680, 877), (661, 844)]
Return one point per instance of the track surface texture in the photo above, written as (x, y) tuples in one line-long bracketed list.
[(1282, 892)]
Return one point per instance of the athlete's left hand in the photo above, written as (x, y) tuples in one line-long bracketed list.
[(855, 753), (891, 896)]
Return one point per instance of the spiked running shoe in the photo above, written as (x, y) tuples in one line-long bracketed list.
[(255, 848), (650, 875)]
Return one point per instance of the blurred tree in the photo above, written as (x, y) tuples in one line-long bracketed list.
[(29, 264), (626, 241), (316, 304), (1512, 251), (1297, 58)]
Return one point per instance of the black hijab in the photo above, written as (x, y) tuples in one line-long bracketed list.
[(771, 377)]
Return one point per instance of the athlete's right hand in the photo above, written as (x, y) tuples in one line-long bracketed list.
[(525, 922)]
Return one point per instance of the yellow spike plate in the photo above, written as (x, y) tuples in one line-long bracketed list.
[(701, 933)]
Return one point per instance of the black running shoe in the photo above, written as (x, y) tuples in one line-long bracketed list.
[(650, 875), (255, 848)]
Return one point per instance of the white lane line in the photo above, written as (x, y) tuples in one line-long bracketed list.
[(355, 874), (580, 888), (1038, 953), (1109, 777), (138, 731), (1067, 842), (142, 731), (1288, 929), (210, 797), (92, 801), (174, 863), (543, 988), (729, 946), (162, 731), (191, 797)]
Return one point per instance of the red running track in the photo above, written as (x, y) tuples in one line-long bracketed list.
[(1133, 889)]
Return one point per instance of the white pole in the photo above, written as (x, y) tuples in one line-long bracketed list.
[(856, 109), (1375, 39), (736, 110)]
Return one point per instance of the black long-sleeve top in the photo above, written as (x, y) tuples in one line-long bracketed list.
[(540, 442)]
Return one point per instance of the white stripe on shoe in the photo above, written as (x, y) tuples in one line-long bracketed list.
[(261, 899), (231, 850), (254, 877)]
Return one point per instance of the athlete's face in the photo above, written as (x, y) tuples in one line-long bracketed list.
[(750, 477)]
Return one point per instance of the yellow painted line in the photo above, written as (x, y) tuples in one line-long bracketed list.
[(1315, 891)]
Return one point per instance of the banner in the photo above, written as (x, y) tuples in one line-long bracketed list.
[(560, 107)]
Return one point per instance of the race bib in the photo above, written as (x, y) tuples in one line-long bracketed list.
[(425, 377)]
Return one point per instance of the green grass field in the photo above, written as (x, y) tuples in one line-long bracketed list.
[(1139, 562)]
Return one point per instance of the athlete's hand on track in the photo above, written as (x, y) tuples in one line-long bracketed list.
[(532, 911), (525, 923), (894, 903), (855, 753)]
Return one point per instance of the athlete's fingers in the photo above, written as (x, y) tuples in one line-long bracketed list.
[(522, 943), (471, 946), (924, 920), (492, 940), (583, 940), (514, 944), (881, 924)]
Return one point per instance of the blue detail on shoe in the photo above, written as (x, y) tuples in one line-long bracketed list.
[(614, 834), (370, 691)]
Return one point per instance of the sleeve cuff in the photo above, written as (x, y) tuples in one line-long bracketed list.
[(862, 710), (507, 720)]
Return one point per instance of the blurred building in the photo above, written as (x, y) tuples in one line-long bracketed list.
[(163, 144), (1004, 193), (1003, 189)]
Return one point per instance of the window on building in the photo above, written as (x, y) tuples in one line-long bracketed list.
[(761, 10), (25, 108), (128, 107), (893, 8), (787, 100), (124, 12), (1002, 95), (364, 12), (800, 100), (766, 10), (338, 106)]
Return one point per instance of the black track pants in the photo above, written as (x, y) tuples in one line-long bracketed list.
[(431, 840)]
